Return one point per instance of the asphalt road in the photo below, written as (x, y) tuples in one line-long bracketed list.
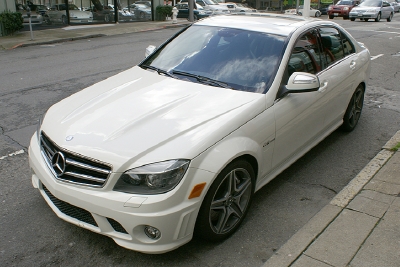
[(34, 78)]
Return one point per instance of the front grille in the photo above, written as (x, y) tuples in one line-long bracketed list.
[(70, 210), (117, 226), (71, 167)]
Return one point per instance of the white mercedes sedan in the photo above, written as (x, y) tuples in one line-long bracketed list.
[(176, 146)]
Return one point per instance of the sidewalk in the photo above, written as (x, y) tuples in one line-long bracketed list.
[(76, 32), (360, 227)]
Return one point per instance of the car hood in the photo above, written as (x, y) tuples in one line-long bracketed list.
[(341, 6), (365, 8), (138, 117)]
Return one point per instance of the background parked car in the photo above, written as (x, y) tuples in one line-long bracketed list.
[(105, 13), (140, 11), (396, 6), (324, 9), (291, 11), (36, 17), (57, 13), (199, 12), (372, 9), (313, 12), (238, 7), (41, 9), (211, 5), (342, 8)]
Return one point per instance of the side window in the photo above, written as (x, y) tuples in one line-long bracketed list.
[(306, 55), (331, 44), (348, 47), (335, 45)]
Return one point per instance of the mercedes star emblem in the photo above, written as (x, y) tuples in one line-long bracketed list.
[(58, 163)]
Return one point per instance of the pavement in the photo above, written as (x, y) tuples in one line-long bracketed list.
[(71, 33), (360, 227)]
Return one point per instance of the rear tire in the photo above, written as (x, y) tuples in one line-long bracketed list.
[(317, 14), (389, 19), (353, 111)]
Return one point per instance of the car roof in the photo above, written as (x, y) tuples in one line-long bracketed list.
[(268, 23)]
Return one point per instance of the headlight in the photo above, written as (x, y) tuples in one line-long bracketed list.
[(373, 10), (202, 13), (155, 178), (345, 8)]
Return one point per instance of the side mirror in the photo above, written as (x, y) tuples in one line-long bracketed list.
[(149, 50), (301, 82)]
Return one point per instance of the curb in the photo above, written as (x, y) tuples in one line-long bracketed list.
[(61, 40), (302, 239)]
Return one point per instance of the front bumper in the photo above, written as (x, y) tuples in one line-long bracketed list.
[(77, 20), (338, 13), (363, 15), (121, 216)]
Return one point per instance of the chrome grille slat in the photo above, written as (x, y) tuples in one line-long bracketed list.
[(84, 177), (86, 166), (73, 168)]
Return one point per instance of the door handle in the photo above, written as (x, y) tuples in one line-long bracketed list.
[(353, 64), (323, 87)]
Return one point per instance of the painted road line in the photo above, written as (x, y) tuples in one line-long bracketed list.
[(13, 154), (375, 57)]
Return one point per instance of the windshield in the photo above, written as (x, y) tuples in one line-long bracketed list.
[(373, 3), (345, 3), (243, 60)]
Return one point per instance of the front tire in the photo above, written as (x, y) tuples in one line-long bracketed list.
[(378, 18), (331, 16), (352, 19), (226, 202), (353, 111)]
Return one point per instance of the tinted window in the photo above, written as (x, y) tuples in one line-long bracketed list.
[(306, 55), (335, 45)]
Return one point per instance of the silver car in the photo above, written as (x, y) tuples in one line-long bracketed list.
[(372, 9), (396, 6), (57, 13)]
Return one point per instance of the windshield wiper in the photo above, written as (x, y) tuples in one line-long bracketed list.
[(159, 71), (202, 79)]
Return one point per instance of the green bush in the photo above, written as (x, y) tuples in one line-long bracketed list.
[(11, 22), (164, 10)]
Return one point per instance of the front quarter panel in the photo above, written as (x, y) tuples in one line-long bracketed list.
[(255, 139)]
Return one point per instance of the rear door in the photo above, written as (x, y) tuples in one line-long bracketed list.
[(340, 62)]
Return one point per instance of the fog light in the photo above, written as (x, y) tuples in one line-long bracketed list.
[(152, 232)]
